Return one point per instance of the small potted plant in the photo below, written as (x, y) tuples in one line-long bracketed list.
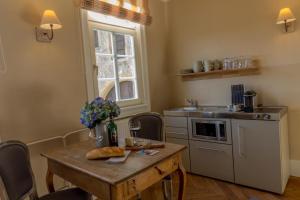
[(94, 115)]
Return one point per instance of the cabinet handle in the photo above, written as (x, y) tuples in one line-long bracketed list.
[(160, 171), (176, 133), (211, 149), (241, 140)]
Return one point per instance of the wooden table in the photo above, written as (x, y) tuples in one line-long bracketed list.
[(114, 181)]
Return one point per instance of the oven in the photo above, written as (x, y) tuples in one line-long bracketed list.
[(212, 130)]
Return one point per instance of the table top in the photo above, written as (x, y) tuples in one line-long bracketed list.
[(73, 156)]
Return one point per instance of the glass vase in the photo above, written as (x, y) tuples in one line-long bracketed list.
[(100, 135)]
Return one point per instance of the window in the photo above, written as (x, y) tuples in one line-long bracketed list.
[(116, 63), (115, 60)]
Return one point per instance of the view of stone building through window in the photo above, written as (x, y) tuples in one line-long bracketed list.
[(115, 59)]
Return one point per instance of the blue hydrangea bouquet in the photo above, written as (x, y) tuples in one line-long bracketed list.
[(95, 113), (98, 111)]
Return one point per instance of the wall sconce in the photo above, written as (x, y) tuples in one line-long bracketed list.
[(49, 23), (287, 18)]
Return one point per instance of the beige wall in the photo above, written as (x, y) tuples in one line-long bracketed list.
[(156, 48), (44, 86), (210, 29)]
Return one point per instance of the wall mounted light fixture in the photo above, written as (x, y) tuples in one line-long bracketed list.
[(49, 23), (287, 18)]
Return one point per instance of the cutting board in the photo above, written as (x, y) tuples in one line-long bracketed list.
[(151, 146)]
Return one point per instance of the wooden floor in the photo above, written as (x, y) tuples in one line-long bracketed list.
[(202, 188)]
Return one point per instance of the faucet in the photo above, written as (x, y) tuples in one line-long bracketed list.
[(192, 102)]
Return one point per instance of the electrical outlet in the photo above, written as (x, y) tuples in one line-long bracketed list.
[(41, 35)]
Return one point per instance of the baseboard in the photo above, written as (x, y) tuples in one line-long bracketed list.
[(295, 168)]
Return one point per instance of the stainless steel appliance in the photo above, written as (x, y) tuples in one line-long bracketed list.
[(212, 130), (249, 101), (211, 147)]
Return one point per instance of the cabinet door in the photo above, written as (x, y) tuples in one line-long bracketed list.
[(212, 160), (176, 122), (179, 133), (256, 150), (185, 154)]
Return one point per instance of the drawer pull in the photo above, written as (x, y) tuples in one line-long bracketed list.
[(176, 133), (211, 149), (131, 186), (161, 172)]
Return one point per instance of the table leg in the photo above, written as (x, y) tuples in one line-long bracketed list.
[(117, 192), (49, 181), (182, 181)]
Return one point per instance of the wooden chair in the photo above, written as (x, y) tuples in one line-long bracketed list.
[(152, 128), (17, 180)]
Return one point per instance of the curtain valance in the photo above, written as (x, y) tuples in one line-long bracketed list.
[(133, 10)]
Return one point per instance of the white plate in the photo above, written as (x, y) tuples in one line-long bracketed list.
[(119, 159)]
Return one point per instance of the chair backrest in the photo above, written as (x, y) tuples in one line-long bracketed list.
[(16, 172), (151, 126)]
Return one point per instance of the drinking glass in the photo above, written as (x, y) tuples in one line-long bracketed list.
[(248, 62), (134, 127), (235, 63), (241, 62)]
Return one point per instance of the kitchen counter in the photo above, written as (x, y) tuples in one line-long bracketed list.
[(261, 113), (249, 149)]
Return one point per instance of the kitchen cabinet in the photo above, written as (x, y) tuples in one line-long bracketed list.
[(176, 130), (212, 159), (185, 154), (179, 133), (260, 151), (256, 153), (176, 122)]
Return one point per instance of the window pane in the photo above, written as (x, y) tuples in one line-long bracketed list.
[(124, 45), (127, 89), (126, 67), (115, 53), (105, 66), (107, 89), (103, 42)]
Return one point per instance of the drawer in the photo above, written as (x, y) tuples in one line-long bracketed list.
[(176, 122), (185, 154), (174, 132), (151, 176), (212, 160)]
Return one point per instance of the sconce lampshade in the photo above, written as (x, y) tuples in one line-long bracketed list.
[(50, 19), (285, 16)]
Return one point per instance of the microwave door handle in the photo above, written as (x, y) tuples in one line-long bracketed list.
[(218, 132)]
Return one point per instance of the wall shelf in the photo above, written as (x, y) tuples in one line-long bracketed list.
[(221, 73)]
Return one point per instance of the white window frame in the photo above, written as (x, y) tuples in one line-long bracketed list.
[(129, 107)]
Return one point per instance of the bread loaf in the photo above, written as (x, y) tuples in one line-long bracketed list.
[(105, 152)]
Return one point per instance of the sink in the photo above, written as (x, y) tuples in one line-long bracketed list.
[(209, 109), (190, 108)]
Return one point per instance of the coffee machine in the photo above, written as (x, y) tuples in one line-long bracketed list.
[(249, 101)]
